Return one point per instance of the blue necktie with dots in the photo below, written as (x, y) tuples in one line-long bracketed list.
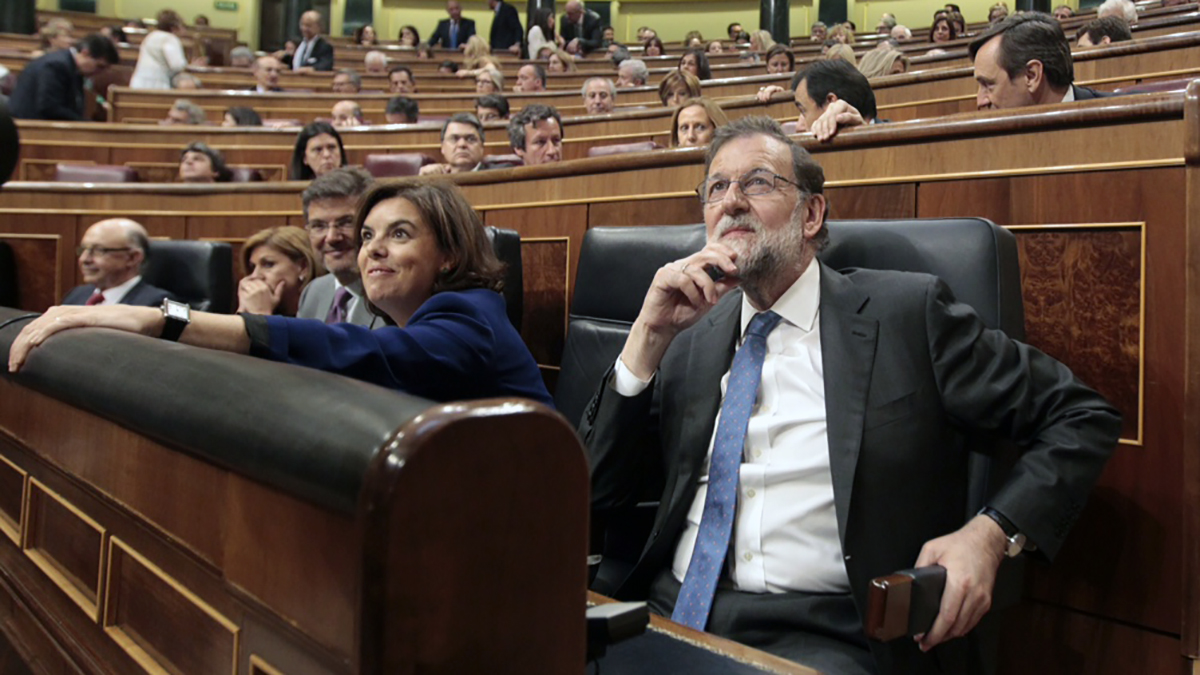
[(716, 524)]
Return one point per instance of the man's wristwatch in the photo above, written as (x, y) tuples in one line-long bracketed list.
[(178, 316), (1016, 540)]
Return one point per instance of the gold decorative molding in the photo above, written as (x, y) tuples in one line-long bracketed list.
[(13, 529), (49, 566)]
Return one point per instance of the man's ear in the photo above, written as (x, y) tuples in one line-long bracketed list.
[(829, 98), (814, 215), (1106, 40), (1034, 75), (520, 152)]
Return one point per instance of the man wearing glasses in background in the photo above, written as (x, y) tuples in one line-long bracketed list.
[(110, 262), (329, 203), (808, 422)]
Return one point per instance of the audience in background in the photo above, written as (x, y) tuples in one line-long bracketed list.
[(881, 62), (314, 53), (1121, 8), (531, 77), (160, 56), (198, 163), (761, 41), (318, 151), (51, 86), (347, 81), (409, 37), (491, 108), (266, 74), (111, 256), (277, 264), (695, 61), (1103, 31), (365, 36), (200, 21), (695, 121), (579, 28), (55, 36), (715, 47), (886, 23), (818, 32), (462, 146), (536, 134), (780, 59), (488, 81), (402, 110), (186, 81), (425, 52), (541, 32), (841, 52), (653, 47), (347, 114), (401, 80), (240, 116), (842, 33), (677, 87), (375, 62), (599, 95), (901, 33), (448, 67), (453, 32), (561, 62), (329, 204), (942, 30), (632, 73), (184, 111), (997, 13)]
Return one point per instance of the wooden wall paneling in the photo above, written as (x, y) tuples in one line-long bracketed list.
[(1041, 639), (41, 270), (873, 201), (1138, 499), (12, 499), (1190, 440), (66, 544), (683, 210), (38, 160)]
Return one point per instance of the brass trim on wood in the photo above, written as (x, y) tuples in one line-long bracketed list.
[(259, 663), (1137, 441), (59, 576), (131, 646), (14, 529)]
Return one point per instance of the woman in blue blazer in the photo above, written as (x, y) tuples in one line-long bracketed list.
[(427, 268)]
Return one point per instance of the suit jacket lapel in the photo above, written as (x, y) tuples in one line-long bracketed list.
[(848, 353)]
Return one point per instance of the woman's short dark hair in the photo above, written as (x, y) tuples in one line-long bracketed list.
[(244, 117), (358, 34), (662, 51), (949, 25), (300, 170), (415, 32), (168, 20), (783, 49), (1031, 36), (214, 156), (701, 63), (456, 227)]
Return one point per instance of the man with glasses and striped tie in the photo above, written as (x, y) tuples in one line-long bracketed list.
[(329, 204), (110, 262), (809, 426)]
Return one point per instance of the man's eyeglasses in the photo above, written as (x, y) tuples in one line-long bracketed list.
[(343, 225), (754, 184), (97, 251)]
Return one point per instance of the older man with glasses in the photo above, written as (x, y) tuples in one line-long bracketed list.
[(329, 204), (110, 262)]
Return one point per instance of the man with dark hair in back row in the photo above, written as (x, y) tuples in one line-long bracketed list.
[(1025, 60), (51, 86), (829, 95), (329, 204), (1103, 31), (536, 134), (491, 108), (402, 110), (462, 146)]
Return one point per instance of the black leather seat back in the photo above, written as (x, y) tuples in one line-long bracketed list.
[(8, 276), (199, 273), (507, 245), (616, 266)]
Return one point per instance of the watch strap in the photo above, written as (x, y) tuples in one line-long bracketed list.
[(1005, 524), (173, 327)]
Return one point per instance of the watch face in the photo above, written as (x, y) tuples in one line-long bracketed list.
[(178, 310)]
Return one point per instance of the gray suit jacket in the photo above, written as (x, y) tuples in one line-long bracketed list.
[(317, 298), (907, 371)]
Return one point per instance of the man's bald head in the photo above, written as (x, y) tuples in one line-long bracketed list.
[(310, 24), (574, 9), (266, 71), (112, 252)]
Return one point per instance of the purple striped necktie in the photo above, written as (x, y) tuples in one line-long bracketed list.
[(716, 524), (337, 311)]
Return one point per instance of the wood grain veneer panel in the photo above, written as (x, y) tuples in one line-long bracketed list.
[(38, 264), (636, 211), (872, 201), (1138, 499), (160, 623), (544, 265), (12, 497), (66, 544)]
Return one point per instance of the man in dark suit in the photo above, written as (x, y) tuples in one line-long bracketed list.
[(580, 28), (1038, 43), (110, 261), (454, 32), (828, 450), (313, 53), (51, 86), (506, 25)]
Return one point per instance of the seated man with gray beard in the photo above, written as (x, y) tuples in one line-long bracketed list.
[(810, 426)]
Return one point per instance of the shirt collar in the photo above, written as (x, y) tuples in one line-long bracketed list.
[(799, 303), (1070, 95)]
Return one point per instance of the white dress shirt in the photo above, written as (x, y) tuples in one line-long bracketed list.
[(785, 535), (114, 295), (301, 54)]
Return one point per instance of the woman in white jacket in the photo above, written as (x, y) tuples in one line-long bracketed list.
[(161, 55)]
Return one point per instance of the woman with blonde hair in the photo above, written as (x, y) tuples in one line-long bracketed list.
[(488, 81), (843, 34), (55, 35), (881, 62), (841, 51), (477, 57), (761, 41), (160, 57), (561, 62), (278, 263), (695, 122)]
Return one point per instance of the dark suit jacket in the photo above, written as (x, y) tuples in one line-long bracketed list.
[(50, 88), (142, 295), (457, 345), (441, 35), (1085, 94), (907, 371), (319, 56), (506, 27), (590, 35)]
